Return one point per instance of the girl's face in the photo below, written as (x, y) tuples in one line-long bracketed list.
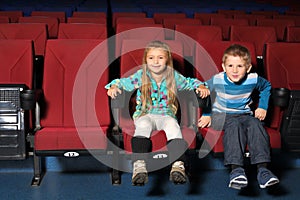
[(156, 61), (235, 68)]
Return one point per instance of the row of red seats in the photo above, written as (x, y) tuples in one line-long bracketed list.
[(72, 126)]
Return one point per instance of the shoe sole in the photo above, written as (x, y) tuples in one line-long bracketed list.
[(238, 184), (271, 182), (140, 179), (178, 178)]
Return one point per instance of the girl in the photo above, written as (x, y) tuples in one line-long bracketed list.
[(157, 84)]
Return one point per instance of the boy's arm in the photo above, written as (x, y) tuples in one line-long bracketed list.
[(264, 88)]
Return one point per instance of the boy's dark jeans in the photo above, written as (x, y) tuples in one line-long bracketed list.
[(241, 131)]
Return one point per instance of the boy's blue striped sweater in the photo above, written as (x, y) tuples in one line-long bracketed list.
[(235, 98)]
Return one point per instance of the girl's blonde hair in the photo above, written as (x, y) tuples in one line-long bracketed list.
[(170, 80), (238, 50)]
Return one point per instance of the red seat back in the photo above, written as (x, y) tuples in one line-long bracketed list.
[(34, 31), (137, 31), (82, 31), (52, 23), (16, 62), (190, 34), (259, 35)]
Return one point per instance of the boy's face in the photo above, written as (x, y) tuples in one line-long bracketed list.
[(235, 68), (156, 60)]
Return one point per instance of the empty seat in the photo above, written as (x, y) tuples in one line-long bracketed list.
[(134, 20), (94, 20), (159, 16), (225, 24), (86, 14), (115, 15), (4, 19), (170, 23), (13, 15), (293, 34), (259, 35), (280, 25), (206, 17), (37, 32), (296, 18), (60, 15), (190, 34), (137, 31), (231, 13), (252, 18), (75, 118), (52, 23), (82, 31), (282, 70), (16, 80)]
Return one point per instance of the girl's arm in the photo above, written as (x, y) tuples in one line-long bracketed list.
[(129, 84)]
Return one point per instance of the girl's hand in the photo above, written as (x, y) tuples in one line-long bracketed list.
[(204, 121), (260, 113), (202, 91), (113, 91)]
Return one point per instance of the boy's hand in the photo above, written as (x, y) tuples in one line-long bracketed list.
[(204, 121), (113, 91), (260, 113), (202, 91)]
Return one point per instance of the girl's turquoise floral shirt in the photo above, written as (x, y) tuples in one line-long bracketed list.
[(158, 94)]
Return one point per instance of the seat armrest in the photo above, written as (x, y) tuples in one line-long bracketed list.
[(280, 97)]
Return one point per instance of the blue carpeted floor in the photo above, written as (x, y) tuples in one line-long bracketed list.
[(208, 182)]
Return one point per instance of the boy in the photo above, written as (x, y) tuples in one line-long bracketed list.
[(231, 112)]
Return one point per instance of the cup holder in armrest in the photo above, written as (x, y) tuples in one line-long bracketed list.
[(281, 97), (28, 99)]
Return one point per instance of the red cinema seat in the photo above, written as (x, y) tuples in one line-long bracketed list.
[(190, 34), (52, 24), (16, 80), (86, 14), (206, 17), (93, 20), (13, 15), (259, 35), (293, 34), (252, 18), (4, 19), (75, 119), (280, 25), (282, 70), (116, 15), (159, 17), (60, 15), (37, 32), (137, 31), (170, 23), (82, 31), (226, 23), (216, 49), (130, 61), (134, 20)]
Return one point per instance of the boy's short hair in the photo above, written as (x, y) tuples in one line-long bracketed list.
[(238, 50)]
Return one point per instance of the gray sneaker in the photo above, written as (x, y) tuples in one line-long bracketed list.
[(140, 174), (266, 178), (177, 174)]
